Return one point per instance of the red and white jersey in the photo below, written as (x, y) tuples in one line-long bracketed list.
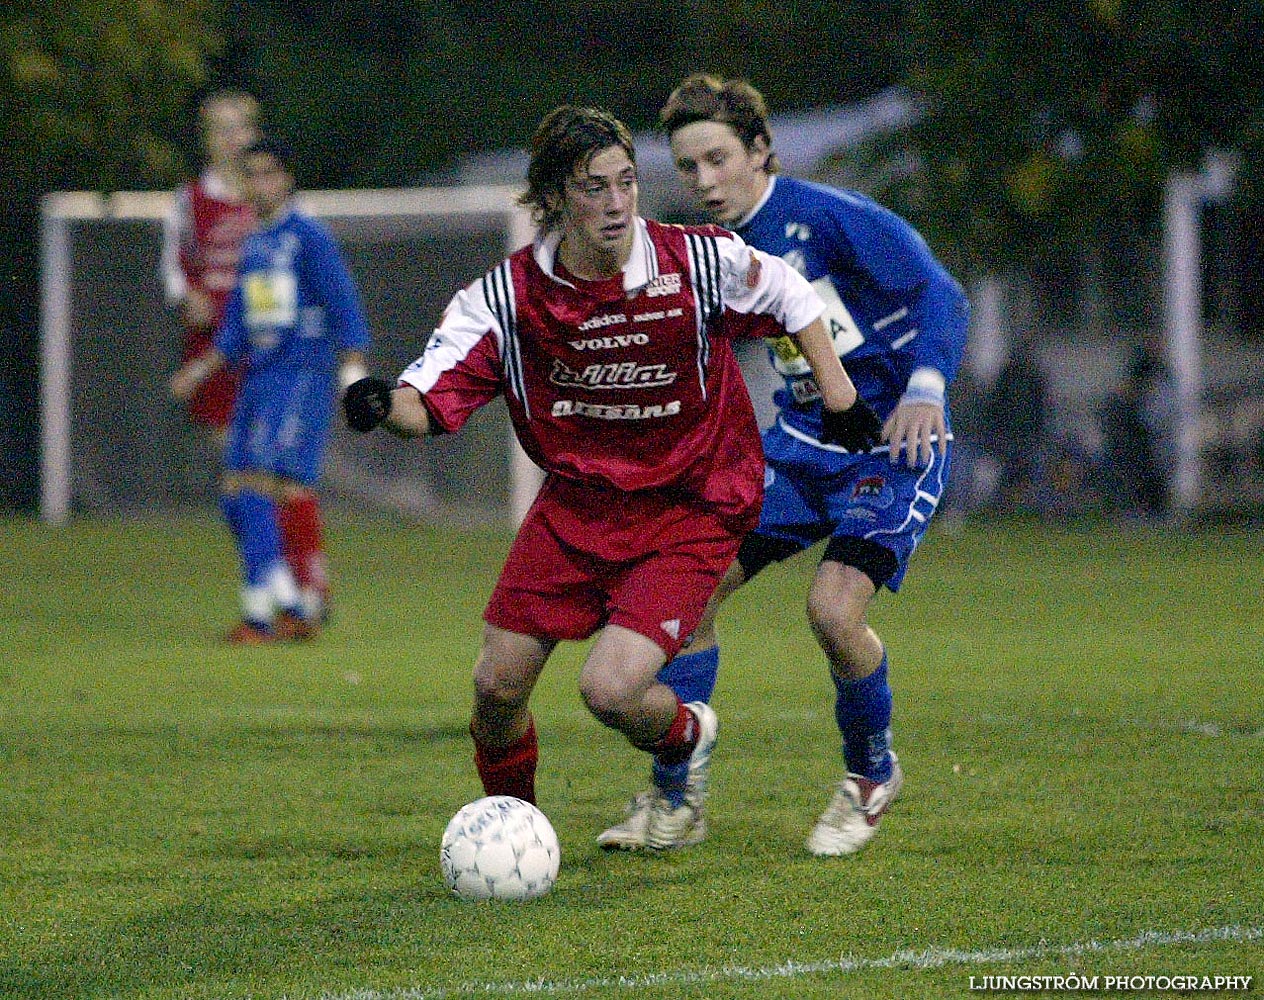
[(202, 241), (631, 384)]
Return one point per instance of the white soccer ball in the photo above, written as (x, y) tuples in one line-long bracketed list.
[(499, 847)]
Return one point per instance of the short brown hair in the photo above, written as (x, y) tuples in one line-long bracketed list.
[(705, 98), (566, 139)]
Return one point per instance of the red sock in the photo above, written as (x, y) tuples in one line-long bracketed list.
[(681, 737), (510, 770), (303, 541)]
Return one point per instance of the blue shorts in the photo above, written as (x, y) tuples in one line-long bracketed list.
[(281, 424), (812, 493)]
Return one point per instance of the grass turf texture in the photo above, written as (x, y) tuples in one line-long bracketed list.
[(1080, 715)]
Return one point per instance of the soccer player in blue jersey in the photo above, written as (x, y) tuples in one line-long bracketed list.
[(898, 320), (296, 320)]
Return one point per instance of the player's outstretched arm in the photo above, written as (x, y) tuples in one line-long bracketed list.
[(184, 383), (409, 417), (837, 391), (846, 420)]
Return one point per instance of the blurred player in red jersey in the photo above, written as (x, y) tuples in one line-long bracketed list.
[(202, 240), (611, 340)]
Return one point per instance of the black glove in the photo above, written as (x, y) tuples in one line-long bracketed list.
[(856, 428), (366, 403)]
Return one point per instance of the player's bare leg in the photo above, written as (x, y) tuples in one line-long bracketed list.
[(620, 687), (617, 684), (838, 603), (691, 675), (505, 748)]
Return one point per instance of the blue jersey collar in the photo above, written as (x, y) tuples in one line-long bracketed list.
[(763, 200)]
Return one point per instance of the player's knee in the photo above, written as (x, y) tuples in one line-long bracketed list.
[(836, 608), (494, 690), (602, 699), (500, 683), (610, 701), (831, 618)]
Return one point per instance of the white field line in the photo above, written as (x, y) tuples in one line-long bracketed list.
[(1194, 727), (928, 958)]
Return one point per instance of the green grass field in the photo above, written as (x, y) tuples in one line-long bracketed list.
[(1080, 714)]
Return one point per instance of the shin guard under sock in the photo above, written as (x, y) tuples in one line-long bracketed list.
[(692, 675), (509, 770), (862, 710)]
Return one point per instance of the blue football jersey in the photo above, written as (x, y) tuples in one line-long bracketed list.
[(295, 303), (294, 308), (891, 306)]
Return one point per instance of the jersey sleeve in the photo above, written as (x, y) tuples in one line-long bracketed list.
[(177, 233), (896, 259), (230, 337), (329, 275), (461, 368), (755, 282)]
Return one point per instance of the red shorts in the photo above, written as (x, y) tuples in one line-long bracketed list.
[(212, 404), (586, 557)]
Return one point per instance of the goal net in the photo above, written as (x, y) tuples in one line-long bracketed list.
[(113, 441)]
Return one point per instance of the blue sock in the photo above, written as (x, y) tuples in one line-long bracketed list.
[(230, 505), (253, 519), (692, 676), (863, 712)]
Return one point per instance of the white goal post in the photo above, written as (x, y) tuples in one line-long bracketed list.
[(1184, 196), (389, 211)]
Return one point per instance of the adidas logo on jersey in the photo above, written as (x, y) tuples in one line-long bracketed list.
[(597, 322)]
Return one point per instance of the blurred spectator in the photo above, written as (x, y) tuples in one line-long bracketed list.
[(1014, 418), (973, 481), (1138, 425)]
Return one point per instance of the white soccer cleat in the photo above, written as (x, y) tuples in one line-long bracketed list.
[(685, 825), (851, 819), (667, 828), (630, 834)]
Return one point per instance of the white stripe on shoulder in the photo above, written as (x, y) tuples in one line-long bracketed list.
[(498, 292), (704, 278)]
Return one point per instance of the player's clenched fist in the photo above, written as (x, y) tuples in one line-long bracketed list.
[(857, 428), (366, 403)]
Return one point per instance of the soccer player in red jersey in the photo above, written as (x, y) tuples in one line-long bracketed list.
[(202, 241), (202, 238), (611, 340)]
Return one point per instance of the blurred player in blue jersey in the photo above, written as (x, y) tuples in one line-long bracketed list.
[(295, 319), (898, 321)]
